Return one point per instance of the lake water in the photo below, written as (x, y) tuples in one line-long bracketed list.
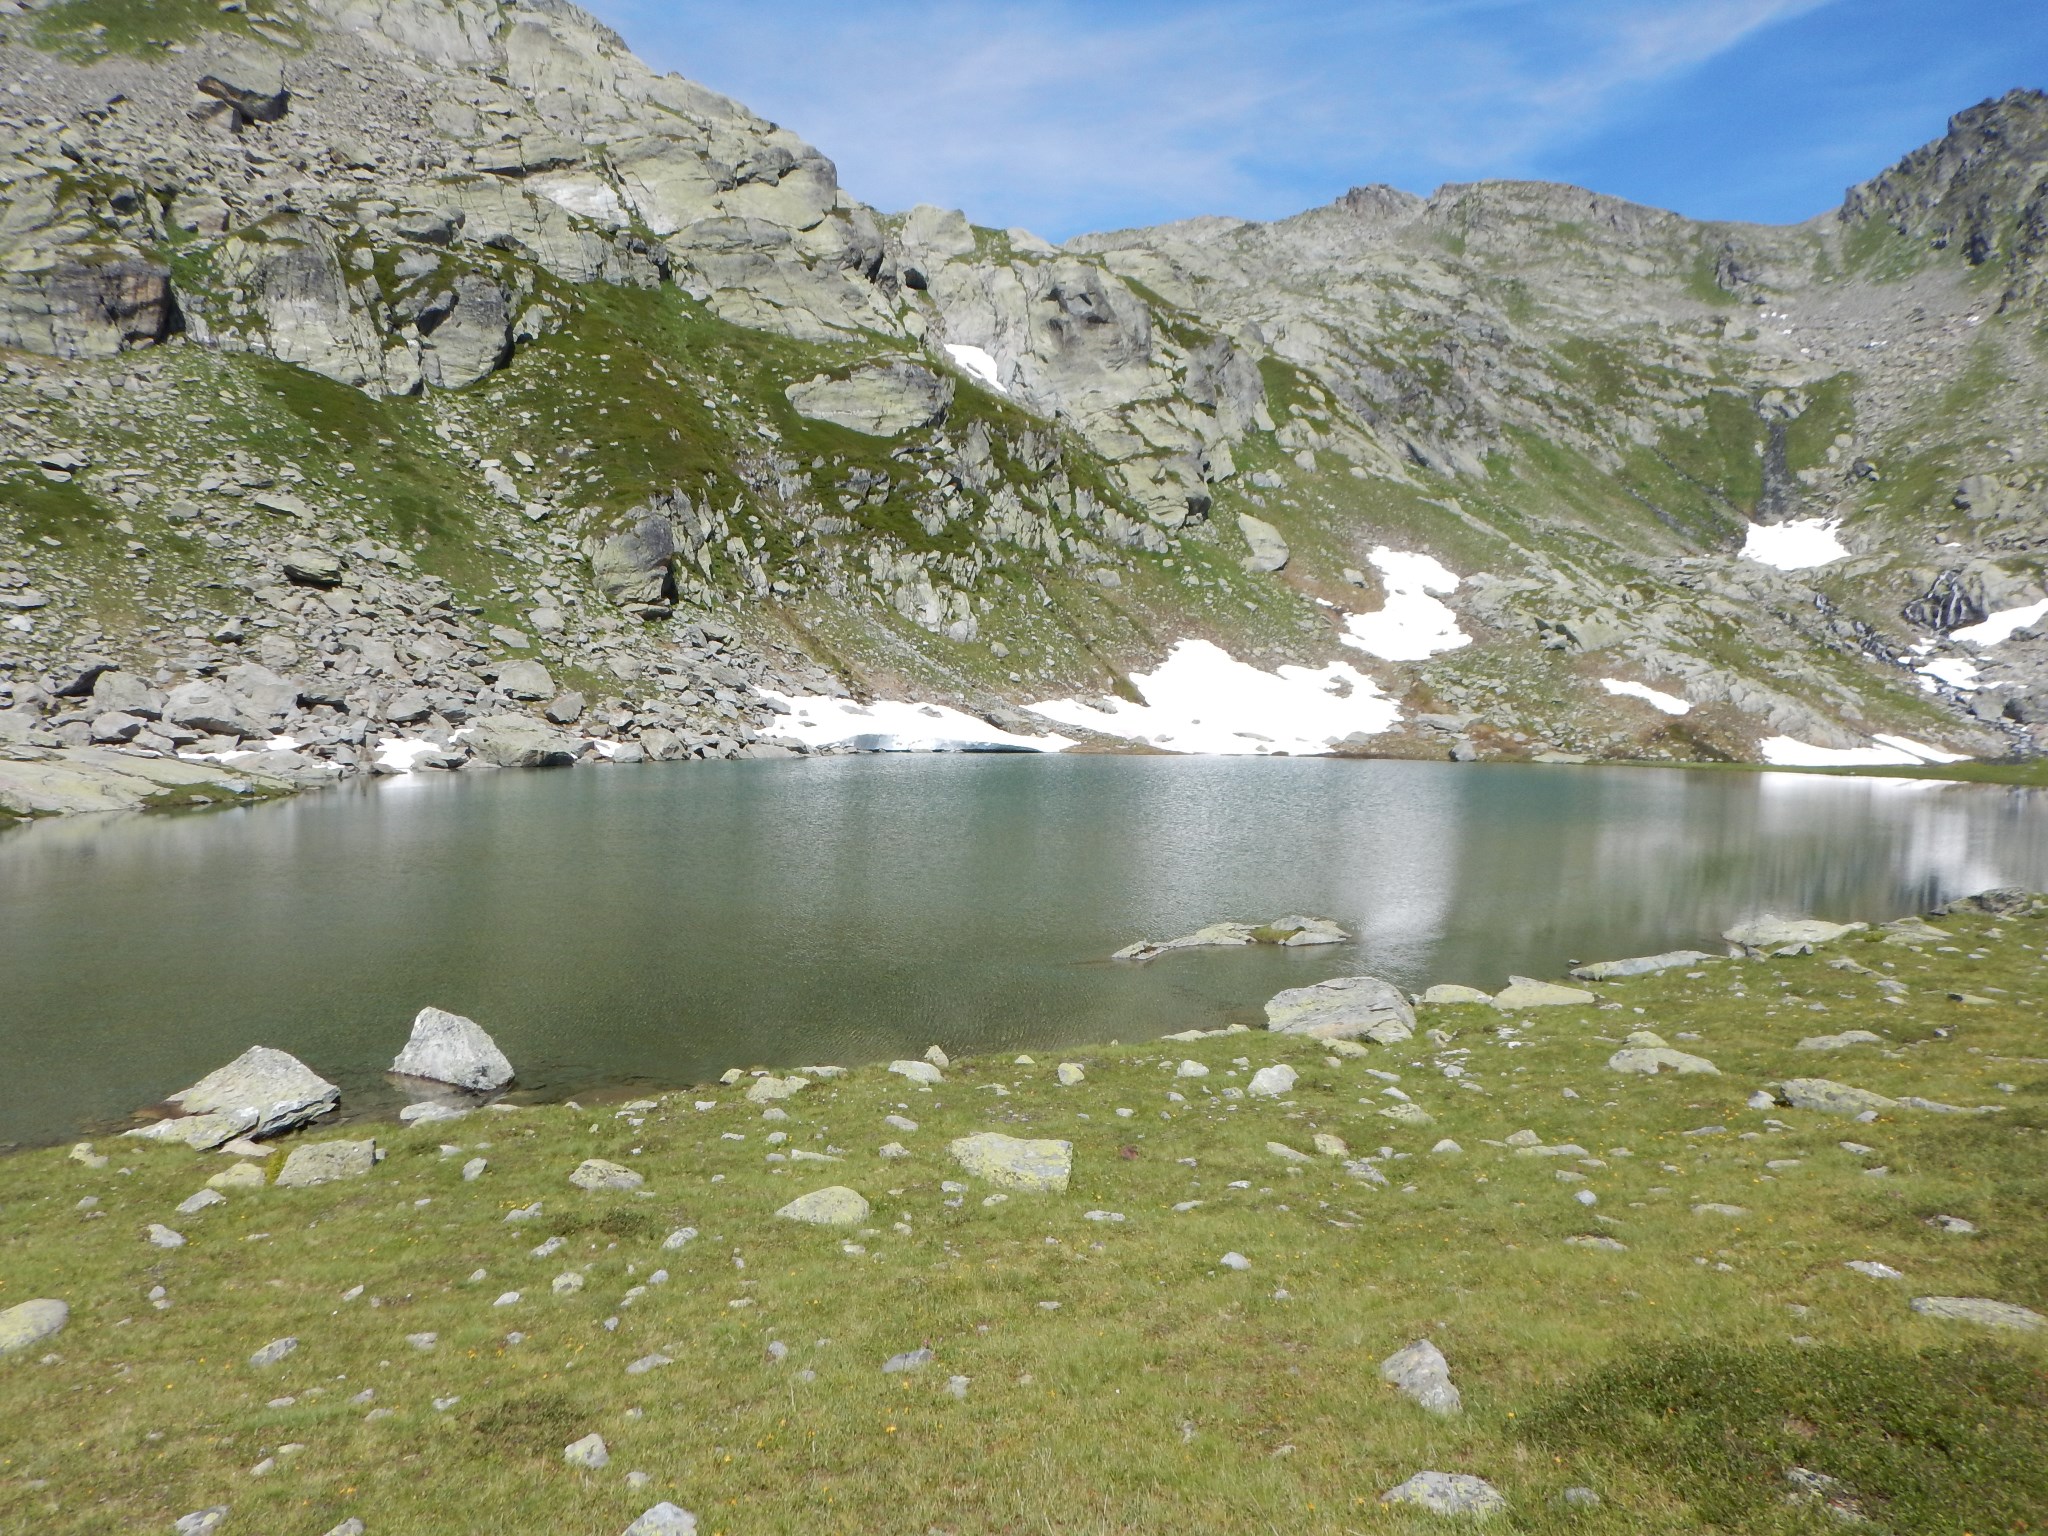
[(657, 925)]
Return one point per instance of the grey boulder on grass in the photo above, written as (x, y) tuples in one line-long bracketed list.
[(447, 1048), (1346, 1008)]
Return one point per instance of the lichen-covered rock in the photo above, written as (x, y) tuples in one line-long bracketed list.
[(261, 1092), (636, 565), (448, 1048), (833, 1206), (324, 1162), (1527, 992), (1449, 1493), (27, 1325), (1767, 933), (1650, 1060), (1269, 551), (520, 741), (885, 400), (1344, 1008), (1641, 965), (1423, 1375), (1447, 994), (1978, 1310), (1832, 1098), (600, 1173), (1272, 1082), (1009, 1162)]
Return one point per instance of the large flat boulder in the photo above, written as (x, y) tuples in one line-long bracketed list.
[(1527, 992), (325, 1162), (1010, 1162), (833, 1206), (1832, 1098), (27, 1325), (1289, 932), (262, 1092), (1768, 933), (886, 400), (1641, 965), (1344, 1008), (520, 741), (448, 1048)]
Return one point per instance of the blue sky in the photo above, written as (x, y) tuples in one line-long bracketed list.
[(1072, 115)]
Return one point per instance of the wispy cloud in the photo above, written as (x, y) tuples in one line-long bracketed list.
[(1064, 115)]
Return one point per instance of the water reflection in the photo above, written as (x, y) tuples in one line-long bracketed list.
[(663, 924)]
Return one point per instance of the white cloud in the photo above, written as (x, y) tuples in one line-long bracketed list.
[(1064, 116)]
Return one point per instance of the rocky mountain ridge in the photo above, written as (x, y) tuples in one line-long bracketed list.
[(360, 354)]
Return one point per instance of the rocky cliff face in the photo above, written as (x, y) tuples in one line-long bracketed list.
[(388, 347)]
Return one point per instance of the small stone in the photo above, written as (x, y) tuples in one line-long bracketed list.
[(923, 1073), (1447, 1148), (1582, 1498), (1191, 1069), (1272, 1082), (1953, 1224), (1424, 1376), (349, 1527), (1715, 1208), (648, 1363), (474, 1169), (273, 1352), (567, 1284), (598, 1174), (678, 1238), (663, 1519), (422, 1341), (1070, 1073), (161, 1236), (588, 1453), (1235, 1260), (192, 1205), (1448, 1493), (909, 1360), (1874, 1269), (201, 1522), (1976, 1309)]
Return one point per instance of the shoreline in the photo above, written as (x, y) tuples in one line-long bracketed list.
[(100, 781)]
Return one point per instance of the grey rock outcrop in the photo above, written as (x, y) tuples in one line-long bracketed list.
[(29, 1323), (325, 1162), (885, 400), (520, 741), (448, 1048), (262, 1092), (1346, 1008), (1423, 1376)]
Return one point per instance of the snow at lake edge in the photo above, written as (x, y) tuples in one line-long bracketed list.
[(1201, 699), (1892, 752)]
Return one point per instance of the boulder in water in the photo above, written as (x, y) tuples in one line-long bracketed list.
[(448, 1048)]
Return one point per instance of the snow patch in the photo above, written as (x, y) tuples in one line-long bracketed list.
[(235, 755), (1954, 671), (1999, 627), (583, 197), (1892, 752), (893, 725), (399, 754), (1670, 703), (1795, 546), (977, 362), (1413, 625), (1201, 699)]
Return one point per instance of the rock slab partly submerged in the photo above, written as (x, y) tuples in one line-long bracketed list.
[(448, 1048), (262, 1092)]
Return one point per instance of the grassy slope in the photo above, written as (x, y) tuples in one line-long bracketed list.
[(1164, 1392)]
